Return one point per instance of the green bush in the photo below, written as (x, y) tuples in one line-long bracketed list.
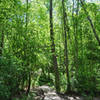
[(4, 92), (85, 79), (9, 76), (45, 80)]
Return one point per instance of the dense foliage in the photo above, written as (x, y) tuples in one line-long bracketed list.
[(44, 44)]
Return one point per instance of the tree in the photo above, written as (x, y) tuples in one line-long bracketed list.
[(54, 58), (90, 21), (66, 46)]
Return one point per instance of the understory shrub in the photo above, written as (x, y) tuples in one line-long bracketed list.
[(9, 76)]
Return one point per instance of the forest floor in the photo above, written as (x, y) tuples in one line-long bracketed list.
[(47, 93)]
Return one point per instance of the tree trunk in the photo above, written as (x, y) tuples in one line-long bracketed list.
[(75, 28), (29, 74), (76, 35), (26, 14), (54, 58), (29, 84), (2, 43), (66, 48)]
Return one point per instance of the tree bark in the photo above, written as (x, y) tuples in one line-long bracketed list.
[(54, 58), (26, 14), (66, 47), (2, 43)]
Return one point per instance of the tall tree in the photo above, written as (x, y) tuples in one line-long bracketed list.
[(54, 58), (75, 30), (29, 73), (66, 46)]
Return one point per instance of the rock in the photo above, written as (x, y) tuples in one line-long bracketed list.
[(46, 89), (52, 96), (38, 92)]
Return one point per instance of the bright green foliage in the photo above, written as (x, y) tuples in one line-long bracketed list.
[(26, 49)]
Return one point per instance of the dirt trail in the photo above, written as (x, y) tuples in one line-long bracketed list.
[(47, 93)]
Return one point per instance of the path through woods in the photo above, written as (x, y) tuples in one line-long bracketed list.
[(47, 93)]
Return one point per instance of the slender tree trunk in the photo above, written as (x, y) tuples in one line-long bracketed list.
[(29, 84), (66, 47), (90, 21), (26, 14), (54, 58), (73, 23), (82, 49), (77, 11), (2, 43), (75, 28), (76, 35), (29, 74)]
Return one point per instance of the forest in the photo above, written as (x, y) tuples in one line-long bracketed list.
[(49, 49)]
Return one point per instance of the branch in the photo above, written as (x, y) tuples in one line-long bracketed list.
[(91, 23)]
